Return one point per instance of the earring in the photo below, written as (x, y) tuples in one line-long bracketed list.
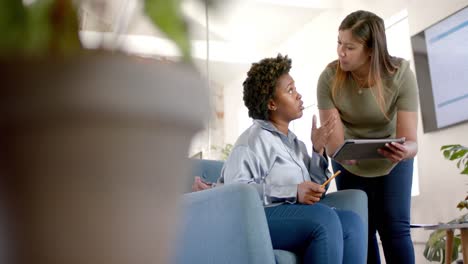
[(274, 108)]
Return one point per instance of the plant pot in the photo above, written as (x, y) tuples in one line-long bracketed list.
[(94, 156)]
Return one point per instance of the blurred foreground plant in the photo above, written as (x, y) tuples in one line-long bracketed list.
[(50, 27)]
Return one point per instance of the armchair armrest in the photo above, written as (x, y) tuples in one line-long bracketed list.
[(226, 224), (352, 200)]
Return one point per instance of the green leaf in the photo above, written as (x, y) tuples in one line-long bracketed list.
[(465, 160), (38, 30), (167, 16), (447, 154), (436, 236), (456, 247), (435, 252), (458, 154), (435, 246), (12, 26), (448, 146), (465, 171), (462, 205)]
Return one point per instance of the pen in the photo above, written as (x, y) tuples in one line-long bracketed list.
[(331, 178)]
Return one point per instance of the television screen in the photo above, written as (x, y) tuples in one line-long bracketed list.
[(441, 61)]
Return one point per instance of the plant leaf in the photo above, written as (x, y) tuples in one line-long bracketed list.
[(12, 26), (52, 28), (465, 171), (456, 247), (435, 246), (38, 29), (167, 16), (458, 154), (448, 146), (447, 154), (435, 252), (462, 204)]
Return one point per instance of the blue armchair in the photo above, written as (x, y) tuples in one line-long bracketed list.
[(235, 230)]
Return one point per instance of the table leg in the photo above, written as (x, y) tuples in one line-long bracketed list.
[(464, 241), (448, 246)]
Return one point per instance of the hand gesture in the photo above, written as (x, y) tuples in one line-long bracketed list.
[(319, 136), (394, 151), (309, 192), (200, 185)]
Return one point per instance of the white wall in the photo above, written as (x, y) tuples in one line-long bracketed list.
[(236, 115), (441, 184), (424, 13), (311, 49)]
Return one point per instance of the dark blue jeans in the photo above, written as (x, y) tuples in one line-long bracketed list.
[(389, 210), (318, 233)]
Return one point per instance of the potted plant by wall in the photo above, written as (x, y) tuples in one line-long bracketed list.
[(435, 249), (93, 144), (223, 152)]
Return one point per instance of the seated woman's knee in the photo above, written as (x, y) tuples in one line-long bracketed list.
[(352, 223), (325, 217)]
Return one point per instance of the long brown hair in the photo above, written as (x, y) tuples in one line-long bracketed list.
[(369, 29)]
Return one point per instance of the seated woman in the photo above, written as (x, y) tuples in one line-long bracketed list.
[(269, 156)]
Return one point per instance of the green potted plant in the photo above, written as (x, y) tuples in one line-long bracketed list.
[(435, 249), (224, 152), (94, 144)]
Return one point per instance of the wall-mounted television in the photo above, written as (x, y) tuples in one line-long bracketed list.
[(441, 62)]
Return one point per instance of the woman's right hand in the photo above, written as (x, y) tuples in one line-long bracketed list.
[(309, 192)]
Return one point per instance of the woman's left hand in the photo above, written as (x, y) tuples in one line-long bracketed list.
[(200, 185), (394, 151)]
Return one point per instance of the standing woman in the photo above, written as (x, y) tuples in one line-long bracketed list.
[(375, 96)]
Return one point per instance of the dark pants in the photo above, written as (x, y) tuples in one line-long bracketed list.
[(389, 210), (318, 233)]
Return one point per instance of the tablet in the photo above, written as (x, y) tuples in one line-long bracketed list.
[(358, 149)]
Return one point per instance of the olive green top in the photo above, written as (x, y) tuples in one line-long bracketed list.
[(361, 115)]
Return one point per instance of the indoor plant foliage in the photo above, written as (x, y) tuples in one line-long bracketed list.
[(94, 143), (224, 151), (51, 26), (459, 154), (435, 246)]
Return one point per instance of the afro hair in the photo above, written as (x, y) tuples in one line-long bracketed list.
[(259, 86)]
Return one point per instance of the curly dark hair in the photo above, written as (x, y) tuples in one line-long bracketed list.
[(259, 86)]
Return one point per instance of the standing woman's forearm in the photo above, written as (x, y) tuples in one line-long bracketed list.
[(412, 147)]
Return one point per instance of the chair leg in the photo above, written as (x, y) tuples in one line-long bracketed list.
[(464, 238), (448, 246)]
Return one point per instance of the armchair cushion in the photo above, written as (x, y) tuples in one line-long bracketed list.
[(229, 230), (208, 170)]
